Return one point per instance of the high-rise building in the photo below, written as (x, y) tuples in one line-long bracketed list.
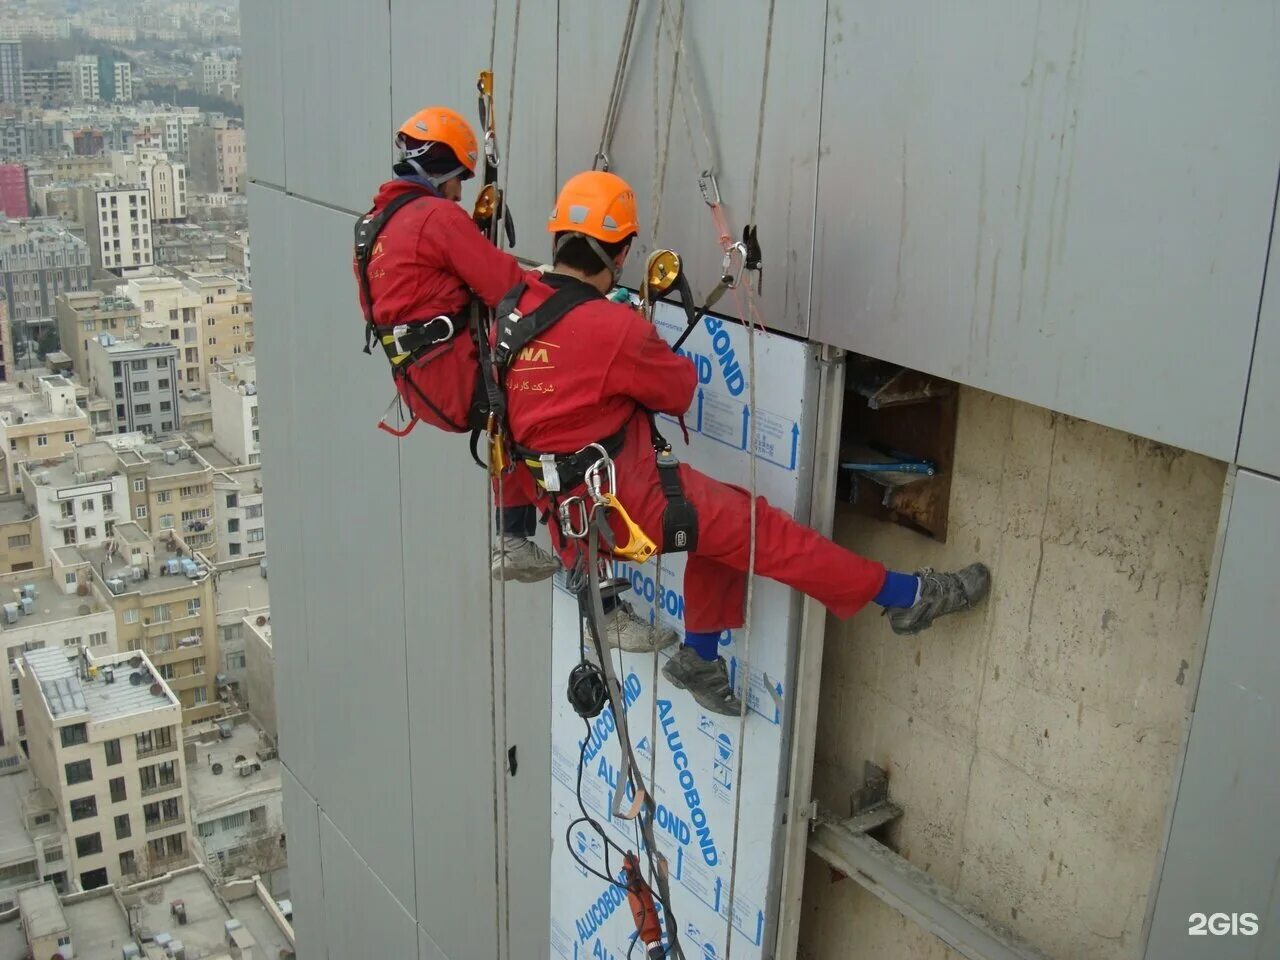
[(226, 316), (164, 179), (233, 390), (216, 157), (171, 491), (140, 379), (214, 72), (83, 317), (39, 259), (86, 83), (169, 302), (15, 193), (117, 223), (109, 748), (115, 80), (10, 71)]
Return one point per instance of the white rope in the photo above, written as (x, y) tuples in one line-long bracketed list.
[(614, 109), (659, 181)]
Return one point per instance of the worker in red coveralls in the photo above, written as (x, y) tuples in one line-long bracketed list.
[(430, 261), (601, 369)]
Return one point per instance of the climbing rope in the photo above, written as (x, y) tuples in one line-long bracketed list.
[(614, 109)]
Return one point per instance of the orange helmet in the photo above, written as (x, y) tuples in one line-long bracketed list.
[(432, 125), (597, 205)]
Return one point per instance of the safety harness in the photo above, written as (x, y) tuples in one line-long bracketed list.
[(559, 473)]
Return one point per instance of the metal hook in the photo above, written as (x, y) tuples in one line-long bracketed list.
[(710, 189), (601, 162), (732, 274), (567, 526)]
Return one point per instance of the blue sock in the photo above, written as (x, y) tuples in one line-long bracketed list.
[(706, 645), (899, 590)]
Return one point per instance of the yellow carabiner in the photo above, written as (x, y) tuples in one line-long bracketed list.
[(639, 547)]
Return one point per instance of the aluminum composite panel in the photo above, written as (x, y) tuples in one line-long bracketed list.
[(264, 97), (1260, 435), (1067, 210)]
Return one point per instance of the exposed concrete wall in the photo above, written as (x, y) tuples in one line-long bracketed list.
[(1031, 743)]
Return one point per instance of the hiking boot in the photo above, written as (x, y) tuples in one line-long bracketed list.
[(623, 630), (940, 594), (707, 680), (521, 560)]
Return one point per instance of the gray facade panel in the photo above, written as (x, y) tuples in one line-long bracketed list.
[(1260, 437), (1223, 846), (1060, 211), (263, 91), (302, 830), (270, 220), (362, 917), (346, 502), (725, 53), (337, 122)]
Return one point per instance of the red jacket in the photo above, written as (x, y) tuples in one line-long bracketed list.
[(430, 259), (598, 368)]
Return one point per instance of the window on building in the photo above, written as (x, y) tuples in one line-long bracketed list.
[(164, 496), (233, 526), (207, 829), (131, 616), (128, 863), (213, 341), (166, 425), (256, 535), (193, 607), (84, 808), (112, 747), (173, 334), (69, 437), (200, 696), (140, 512), (151, 813), (88, 845), (139, 486), (138, 364), (234, 821), (78, 771), (71, 642), (166, 406), (253, 511), (235, 661), (166, 521), (42, 440), (74, 734), (162, 384), (90, 533), (142, 409), (142, 386), (165, 669), (22, 540), (234, 549)]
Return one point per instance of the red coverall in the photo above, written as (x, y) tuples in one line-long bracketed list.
[(430, 260), (601, 367)]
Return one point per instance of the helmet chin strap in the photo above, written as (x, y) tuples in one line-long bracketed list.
[(411, 158)]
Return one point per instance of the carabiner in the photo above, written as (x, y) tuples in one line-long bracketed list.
[(567, 526), (710, 189), (593, 480), (491, 148), (731, 273)]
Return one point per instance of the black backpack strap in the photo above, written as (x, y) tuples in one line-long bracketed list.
[(516, 330), (680, 517), (366, 238)]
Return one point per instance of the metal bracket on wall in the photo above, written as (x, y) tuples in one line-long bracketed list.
[(912, 892)]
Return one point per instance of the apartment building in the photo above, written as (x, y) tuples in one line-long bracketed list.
[(164, 178), (86, 79), (216, 155), (117, 223), (116, 80), (21, 545), (15, 191), (141, 379), (226, 316), (33, 842), (171, 490), (215, 71), (163, 601), (83, 316), (169, 301), (238, 508), (240, 588), (46, 87), (37, 611), (7, 361), (233, 391), (105, 739), (35, 28), (41, 424), (258, 689), (75, 502), (39, 259), (236, 811)]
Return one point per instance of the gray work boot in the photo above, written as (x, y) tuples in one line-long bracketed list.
[(707, 680), (525, 561), (623, 630), (940, 594)]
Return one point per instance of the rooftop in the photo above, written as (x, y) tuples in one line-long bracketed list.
[(14, 510), (154, 581), (215, 457), (210, 790), (15, 842), (41, 911), (116, 345), (241, 588), (132, 533), (99, 928), (50, 606), (69, 695)]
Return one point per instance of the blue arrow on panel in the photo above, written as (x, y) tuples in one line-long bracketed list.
[(795, 443), (719, 885), (746, 417), (698, 428)]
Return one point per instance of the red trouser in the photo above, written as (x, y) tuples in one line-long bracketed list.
[(715, 579)]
